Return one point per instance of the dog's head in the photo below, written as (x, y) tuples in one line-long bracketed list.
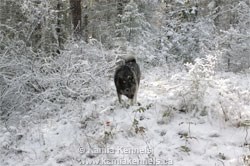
[(125, 81)]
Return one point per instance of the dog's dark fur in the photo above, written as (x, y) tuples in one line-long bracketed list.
[(127, 79)]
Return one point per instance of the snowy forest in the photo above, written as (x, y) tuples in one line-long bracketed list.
[(58, 100)]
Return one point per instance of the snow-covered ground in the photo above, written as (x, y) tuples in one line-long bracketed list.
[(159, 131)]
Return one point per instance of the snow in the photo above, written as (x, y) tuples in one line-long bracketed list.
[(211, 5), (104, 132), (62, 109)]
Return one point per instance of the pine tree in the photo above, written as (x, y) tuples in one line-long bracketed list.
[(133, 25)]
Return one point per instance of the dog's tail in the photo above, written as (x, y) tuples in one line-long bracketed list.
[(130, 59)]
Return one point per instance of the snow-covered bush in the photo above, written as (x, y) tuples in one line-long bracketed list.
[(199, 76), (207, 92), (87, 69), (29, 79), (16, 71)]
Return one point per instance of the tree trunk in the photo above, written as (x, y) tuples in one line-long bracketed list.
[(59, 26), (85, 27), (119, 7), (76, 11)]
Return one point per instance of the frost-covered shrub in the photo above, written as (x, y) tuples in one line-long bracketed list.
[(29, 79), (199, 76), (86, 70), (16, 71), (209, 93), (230, 100)]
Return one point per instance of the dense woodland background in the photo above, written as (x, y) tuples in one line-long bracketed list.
[(164, 30)]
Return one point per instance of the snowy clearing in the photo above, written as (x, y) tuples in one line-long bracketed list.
[(103, 132)]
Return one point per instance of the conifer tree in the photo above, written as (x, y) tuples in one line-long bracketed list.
[(133, 25)]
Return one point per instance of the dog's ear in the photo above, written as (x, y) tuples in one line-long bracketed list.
[(120, 62)]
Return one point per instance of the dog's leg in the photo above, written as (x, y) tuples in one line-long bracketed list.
[(134, 99), (135, 96), (119, 97)]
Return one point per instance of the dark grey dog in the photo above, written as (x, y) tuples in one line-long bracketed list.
[(127, 79)]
